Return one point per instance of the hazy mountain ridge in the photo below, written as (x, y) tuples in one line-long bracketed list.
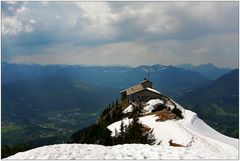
[(208, 70), (164, 77), (217, 103)]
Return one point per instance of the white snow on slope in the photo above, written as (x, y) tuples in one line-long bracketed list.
[(148, 108), (128, 109), (181, 132), (151, 104), (153, 90), (190, 131), (192, 122), (126, 151), (196, 125)]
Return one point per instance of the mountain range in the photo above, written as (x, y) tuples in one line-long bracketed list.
[(217, 103), (208, 70), (164, 77)]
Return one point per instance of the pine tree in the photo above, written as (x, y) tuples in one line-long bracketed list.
[(122, 128), (137, 110), (116, 103), (134, 133), (113, 105), (177, 112)]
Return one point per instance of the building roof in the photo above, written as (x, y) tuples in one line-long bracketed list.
[(133, 89), (139, 87), (145, 80)]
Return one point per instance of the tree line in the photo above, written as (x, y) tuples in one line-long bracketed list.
[(7, 150)]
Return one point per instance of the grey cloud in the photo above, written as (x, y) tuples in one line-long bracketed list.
[(143, 32)]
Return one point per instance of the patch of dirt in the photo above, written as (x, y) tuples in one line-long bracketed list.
[(165, 115)]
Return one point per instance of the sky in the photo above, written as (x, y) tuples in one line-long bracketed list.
[(120, 33)]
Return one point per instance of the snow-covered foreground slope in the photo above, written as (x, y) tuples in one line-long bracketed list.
[(199, 139), (126, 151), (190, 131), (199, 143)]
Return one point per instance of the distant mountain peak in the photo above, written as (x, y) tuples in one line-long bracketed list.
[(207, 65), (152, 68)]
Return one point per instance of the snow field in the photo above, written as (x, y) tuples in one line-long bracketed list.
[(126, 151), (150, 105), (203, 141)]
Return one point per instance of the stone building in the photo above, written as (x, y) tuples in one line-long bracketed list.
[(141, 92)]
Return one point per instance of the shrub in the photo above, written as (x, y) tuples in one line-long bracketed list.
[(159, 107), (111, 114), (177, 112), (7, 150)]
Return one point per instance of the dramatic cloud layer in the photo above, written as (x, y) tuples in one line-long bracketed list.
[(131, 33)]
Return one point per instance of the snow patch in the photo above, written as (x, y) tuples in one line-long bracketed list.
[(115, 127), (160, 69), (150, 105), (153, 90), (128, 109)]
